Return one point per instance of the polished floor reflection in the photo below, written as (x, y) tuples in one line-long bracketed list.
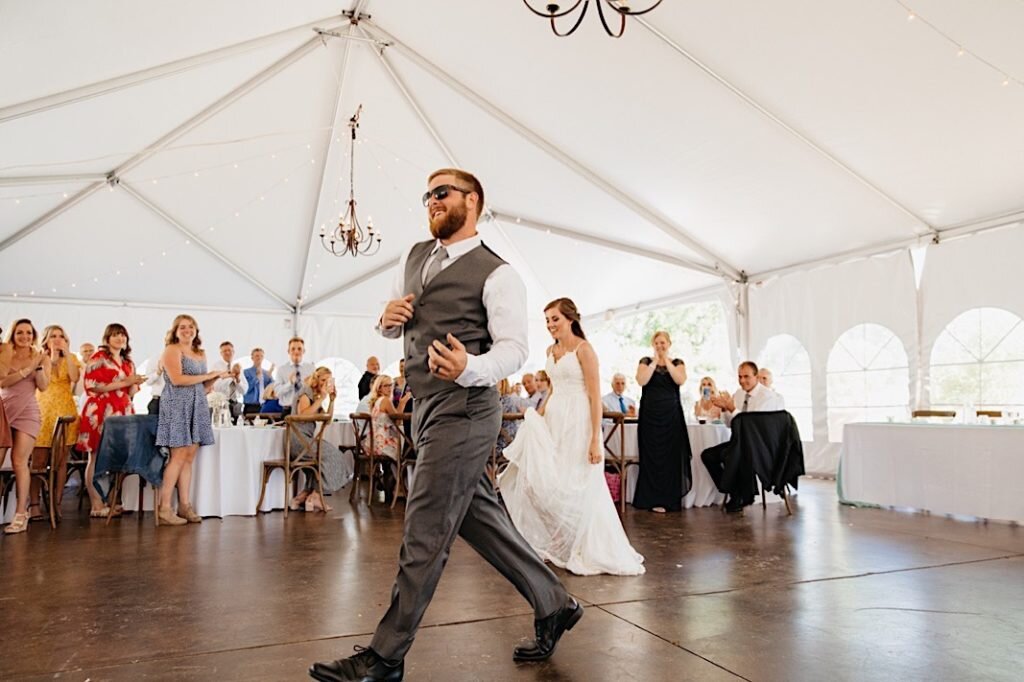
[(832, 593)]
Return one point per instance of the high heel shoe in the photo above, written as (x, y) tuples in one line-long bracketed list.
[(188, 513), (316, 503), (18, 525), (169, 518)]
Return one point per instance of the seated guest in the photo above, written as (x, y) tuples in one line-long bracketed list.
[(510, 404), (751, 397), (617, 400), (315, 389), (256, 380), (289, 377), (704, 409), (366, 381), (766, 379), (536, 401), (233, 387), (386, 441), (529, 385), (270, 403)]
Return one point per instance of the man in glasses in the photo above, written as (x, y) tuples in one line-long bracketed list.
[(461, 311)]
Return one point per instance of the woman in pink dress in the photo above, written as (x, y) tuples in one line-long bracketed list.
[(27, 370)]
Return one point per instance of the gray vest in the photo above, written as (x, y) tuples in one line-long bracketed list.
[(451, 303)]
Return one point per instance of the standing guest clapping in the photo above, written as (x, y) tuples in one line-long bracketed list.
[(27, 370), (110, 383), (233, 386), (184, 415), (662, 439), (289, 377), (256, 379), (58, 400)]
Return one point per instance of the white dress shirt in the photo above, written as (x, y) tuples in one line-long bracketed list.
[(610, 401), (284, 389), (504, 298), (761, 400), (230, 388)]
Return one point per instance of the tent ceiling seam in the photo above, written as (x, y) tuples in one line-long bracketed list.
[(558, 154), (764, 111)]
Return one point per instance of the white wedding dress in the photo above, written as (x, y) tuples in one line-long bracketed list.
[(557, 499)]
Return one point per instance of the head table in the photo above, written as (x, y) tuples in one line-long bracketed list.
[(967, 469)]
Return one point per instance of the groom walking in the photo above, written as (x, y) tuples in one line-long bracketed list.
[(462, 312)]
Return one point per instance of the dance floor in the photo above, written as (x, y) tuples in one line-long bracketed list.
[(832, 593)]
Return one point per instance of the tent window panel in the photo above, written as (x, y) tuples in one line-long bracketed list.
[(979, 358), (790, 364), (876, 387)]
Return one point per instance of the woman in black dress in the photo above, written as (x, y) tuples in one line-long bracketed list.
[(662, 438)]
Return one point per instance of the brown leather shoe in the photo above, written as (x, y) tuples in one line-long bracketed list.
[(188, 513), (169, 518)]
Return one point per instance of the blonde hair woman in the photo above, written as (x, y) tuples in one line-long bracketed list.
[(58, 400), (663, 443), (309, 400), (704, 408)]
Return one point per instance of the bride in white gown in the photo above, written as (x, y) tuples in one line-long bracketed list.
[(554, 486)]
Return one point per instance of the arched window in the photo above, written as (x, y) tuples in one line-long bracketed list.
[(346, 381), (979, 358), (790, 364), (868, 378)]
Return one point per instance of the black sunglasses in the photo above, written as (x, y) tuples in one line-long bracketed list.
[(441, 192)]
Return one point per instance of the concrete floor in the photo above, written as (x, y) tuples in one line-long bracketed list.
[(832, 593)]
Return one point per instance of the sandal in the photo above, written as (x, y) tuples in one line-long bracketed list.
[(298, 501), (99, 513), (18, 525), (35, 517)]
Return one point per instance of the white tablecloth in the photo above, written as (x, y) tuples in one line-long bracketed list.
[(226, 476), (702, 436), (944, 468)]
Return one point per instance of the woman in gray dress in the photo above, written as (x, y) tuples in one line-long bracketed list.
[(184, 415), (309, 401)]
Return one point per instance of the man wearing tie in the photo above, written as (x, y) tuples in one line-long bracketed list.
[(617, 400), (289, 377), (257, 379), (232, 387), (752, 396)]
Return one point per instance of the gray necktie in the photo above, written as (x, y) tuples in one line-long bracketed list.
[(435, 265), (746, 402)]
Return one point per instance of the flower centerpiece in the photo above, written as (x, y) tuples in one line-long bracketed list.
[(218, 403)]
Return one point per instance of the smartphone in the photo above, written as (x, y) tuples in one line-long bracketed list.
[(330, 385), (707, 393)]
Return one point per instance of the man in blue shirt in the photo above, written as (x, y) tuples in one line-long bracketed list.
[(257, 380), (617, 400)]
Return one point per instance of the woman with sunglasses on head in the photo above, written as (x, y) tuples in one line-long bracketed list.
[(27, 370), (58, 400), (110, 383)]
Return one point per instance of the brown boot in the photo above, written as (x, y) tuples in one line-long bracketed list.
[(188, 513), (169, 518)]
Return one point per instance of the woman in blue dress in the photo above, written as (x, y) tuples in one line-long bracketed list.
[(184, 415)]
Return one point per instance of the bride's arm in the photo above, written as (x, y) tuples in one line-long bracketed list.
[(592, 380)]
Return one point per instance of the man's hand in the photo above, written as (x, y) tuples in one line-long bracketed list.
[(724, 402), (446, 363), (397, 312), (631, 411)]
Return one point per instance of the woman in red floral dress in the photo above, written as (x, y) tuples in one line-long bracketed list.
[(110, 383)]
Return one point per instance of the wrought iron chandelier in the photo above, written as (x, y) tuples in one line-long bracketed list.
[(348, 237), (553, 11)]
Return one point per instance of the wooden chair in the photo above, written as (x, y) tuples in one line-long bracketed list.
[(77, 462), (307, 459), (932, 413), (45, 472), (992, 414), (363, 456)]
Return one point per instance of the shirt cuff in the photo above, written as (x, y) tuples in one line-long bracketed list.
[(474, 374)]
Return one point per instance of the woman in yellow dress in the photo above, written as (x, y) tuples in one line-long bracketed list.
[(58, 400)]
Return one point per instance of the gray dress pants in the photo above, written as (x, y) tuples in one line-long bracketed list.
[(454, 432)]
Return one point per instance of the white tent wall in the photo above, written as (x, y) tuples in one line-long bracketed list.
[(817, 306), (982, 270)]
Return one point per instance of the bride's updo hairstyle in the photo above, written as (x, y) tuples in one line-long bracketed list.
[(570, 312)]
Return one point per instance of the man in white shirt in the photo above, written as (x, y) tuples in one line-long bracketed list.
[(233, 388), (289, 376), (461, 312), (529, 385), (617, 400), (752, 396)]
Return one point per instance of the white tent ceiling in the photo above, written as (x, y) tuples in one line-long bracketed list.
[(713, 139)]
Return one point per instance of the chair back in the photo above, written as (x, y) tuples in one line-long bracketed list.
[(308, 446), (993, 414), (932, 413), (362, 428), (771, 441), (58, 444)]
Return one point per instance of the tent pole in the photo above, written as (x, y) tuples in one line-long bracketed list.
[(341, 288), (821, 151), (14, 180), (566, 159), (134, 193), (65, 205), (111, 85)]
